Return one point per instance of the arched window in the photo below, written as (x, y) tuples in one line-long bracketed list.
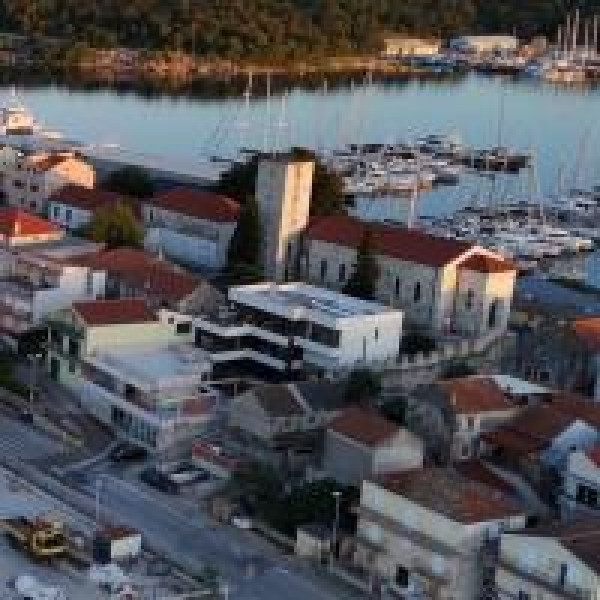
[(417, 292)]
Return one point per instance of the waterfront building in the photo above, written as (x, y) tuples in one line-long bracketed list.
[(399, 46), (295, 328), (484, 44), (190, 226), (424, 531), (442, 285), (283, 192), (581, 489), (35, 177), (19, 229), (130, 371)]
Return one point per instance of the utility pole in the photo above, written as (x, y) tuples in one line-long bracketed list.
[(334, 534)]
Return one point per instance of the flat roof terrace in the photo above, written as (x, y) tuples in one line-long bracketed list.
[(155, 369), (298, 301)]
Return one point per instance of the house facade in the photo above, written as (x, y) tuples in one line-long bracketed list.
[(130, 371), (190, 226), (423, 532), (441, 285), (360, 443), (73, 206), (557, 562)]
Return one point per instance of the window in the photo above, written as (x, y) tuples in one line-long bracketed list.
[(465, 451), (183, 328), (342, 273), (523, 595), (470, 298), (397, 287), (401, 577), (89, 283), (376, 333), (18, 183), (68, 214), (493, 316), (151, 215), (56, 212), (323, 269), (470, 423), (34, 188), (417, 293)]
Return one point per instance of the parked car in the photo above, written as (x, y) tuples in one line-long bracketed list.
[(159, 480), (127, 452), (186, 473)]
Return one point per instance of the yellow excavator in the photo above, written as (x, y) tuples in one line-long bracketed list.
[(42, 537)]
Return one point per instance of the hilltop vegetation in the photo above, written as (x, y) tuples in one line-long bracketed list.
[(273, 29)]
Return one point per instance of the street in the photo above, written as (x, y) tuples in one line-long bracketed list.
[(250, 568)]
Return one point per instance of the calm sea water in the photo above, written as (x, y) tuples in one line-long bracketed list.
[(559, 124)]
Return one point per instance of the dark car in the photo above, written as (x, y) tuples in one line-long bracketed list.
[(127, 452), (154, 478)]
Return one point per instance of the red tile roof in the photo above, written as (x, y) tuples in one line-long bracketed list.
[(144, 272), (587, 329), (15, 223), (483, 263), (594, 455), (447, 492), (536, 427), (47, 162), (364, 426), (113, 312), (83, 197), (410, 245), (475, 394), (198, 204), (475, 470)]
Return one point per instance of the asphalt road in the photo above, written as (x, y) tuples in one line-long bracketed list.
[(251, 568)]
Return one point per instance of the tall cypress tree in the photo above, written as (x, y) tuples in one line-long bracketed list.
[(363, 281), (244, 251)]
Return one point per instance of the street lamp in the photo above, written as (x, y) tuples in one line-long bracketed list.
[(337, 495)]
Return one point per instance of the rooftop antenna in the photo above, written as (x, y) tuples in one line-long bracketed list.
[(567, 34), (559, 43), (575, 30), (595, 36)]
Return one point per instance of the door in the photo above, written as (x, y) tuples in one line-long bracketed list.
[(54, 369)]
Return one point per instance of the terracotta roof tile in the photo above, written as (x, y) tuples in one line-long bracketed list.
[(475, 394), (140, 270), (483, 263), (364, 426), (410, 245), (447, 492), (16, 223), (587, 329), (48, 162), (83, 197), (594, 455), (198, 204), (113, 312)]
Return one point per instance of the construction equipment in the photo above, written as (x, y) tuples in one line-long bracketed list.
[(42, 538)]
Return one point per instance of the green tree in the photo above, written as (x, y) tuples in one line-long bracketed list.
[(362, 283), (362, 385), (244, 253), (130, 181), (115, 225)]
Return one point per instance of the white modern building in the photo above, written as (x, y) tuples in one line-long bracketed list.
[(296, 326)]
